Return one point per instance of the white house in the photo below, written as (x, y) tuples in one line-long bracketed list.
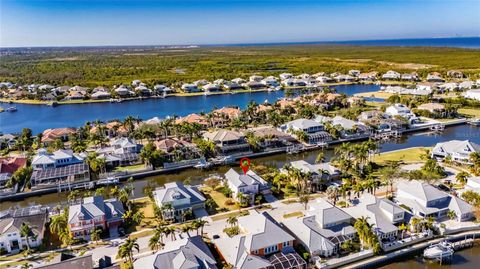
[(314, 130), (179, 198), (400, 110), (458, 150), (190, 88), (473, 184), (472, 94), (249, 184), (59, 158), (391, 75)]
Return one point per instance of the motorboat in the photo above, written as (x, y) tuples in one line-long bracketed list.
[(203, 165), (108, 181), (474, 122), (440, 250), (11, 109)]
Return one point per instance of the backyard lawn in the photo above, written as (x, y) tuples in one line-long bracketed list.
[(131, 167), (470, 112), (146, 206), (220, 199), (409, 155)]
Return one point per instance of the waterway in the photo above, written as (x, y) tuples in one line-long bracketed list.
[(41, 117), (465, 259)]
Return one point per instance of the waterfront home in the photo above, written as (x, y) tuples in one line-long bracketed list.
[(228, 141), (177, 199), (410, 77), (270, 81), (143, 91), (436, 109), (366, 116), (162, 89), (186, 253), (368, 77), (322, 231), (248, 184), (391, 75), (210, 87), (455, 74), (125, 145), (456, 150), (232, 86), (220, 81), (136, 83), (284, 76), (76, 95), (324, 79), (255, 78), (60, 176), (473, 184), (123, 91), (424, 200), (354, 73), (200, 82), (259, 236), (171, 144), (50, 135), (319, 172), (239, 81), (11, 221), (8, 166), (110, 129), (228, 112), (7, 141), (472, 94), (381, 213), (253, 85), (435, 77), (98, 95), (400, 110), (93, 213), (449, 87), (193, 118), (65, 260), (345, 78), (189, 88), (314, 130), (60, 158), (270, 137), (355, 101), (349, 127)]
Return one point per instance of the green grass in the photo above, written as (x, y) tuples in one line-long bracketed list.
[(220, 199), (470, 112), (409, 155), (157, 65), (296, 214), (130, 168)]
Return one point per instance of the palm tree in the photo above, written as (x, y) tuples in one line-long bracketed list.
[(155, 243), (186, 228), (451, 215), (462, 177), (320, 157), (402, 228), (125, 251), (26, 266), (27, 233), (201, 224), (232, 220)]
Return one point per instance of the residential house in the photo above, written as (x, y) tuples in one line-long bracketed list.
[(50, 135), (472, 94), (210, 87), (193, 118), (93, 213), (410, 77), (400, 110), (435, 109), (238, 81), (324, 79), (162, 89), (186, 253), (260, 236), (466, 85), (457, 150), (354, 73), (228, 112), (110, 129), (324, 228), (391, 75), (65, 176), (7, 141), (176, 149), (455, 74), (123, 91), (190, 88), (100, 95), (320, 172), (11, 239), (142, 90), (8, 166), (200, 82), (345, 78), (284, 76), (473, 184), (232, 86), (368, 77), (253, 85), (424, 200), (270, 81), (176, 199), (255, 78), (269, 137), (60, 158), (228, 141), (122, 152), (381, 213), (435, 77), (314, 130), (249, 184)]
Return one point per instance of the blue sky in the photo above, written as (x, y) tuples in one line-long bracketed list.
[(167, 22)]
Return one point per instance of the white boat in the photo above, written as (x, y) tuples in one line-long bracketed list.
[(474, 122), (441, 250), (108, 181), (203, 165), (11, 109)]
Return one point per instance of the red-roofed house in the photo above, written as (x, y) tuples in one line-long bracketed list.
[(51, 135)]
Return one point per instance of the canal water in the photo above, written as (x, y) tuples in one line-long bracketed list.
[(464, 259), (41, 117)]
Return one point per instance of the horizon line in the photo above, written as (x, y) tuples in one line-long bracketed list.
[(244, 44)]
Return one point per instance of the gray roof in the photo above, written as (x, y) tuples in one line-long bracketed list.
[(259, 231), (176, 190), (12, 220), (303, 124), (421, 190), (186, 253), (94, 206), (241, 180), (461, 147), (223, 135), (317, 168), (374, 209)]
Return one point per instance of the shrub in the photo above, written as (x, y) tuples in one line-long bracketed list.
[(232, 231)]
